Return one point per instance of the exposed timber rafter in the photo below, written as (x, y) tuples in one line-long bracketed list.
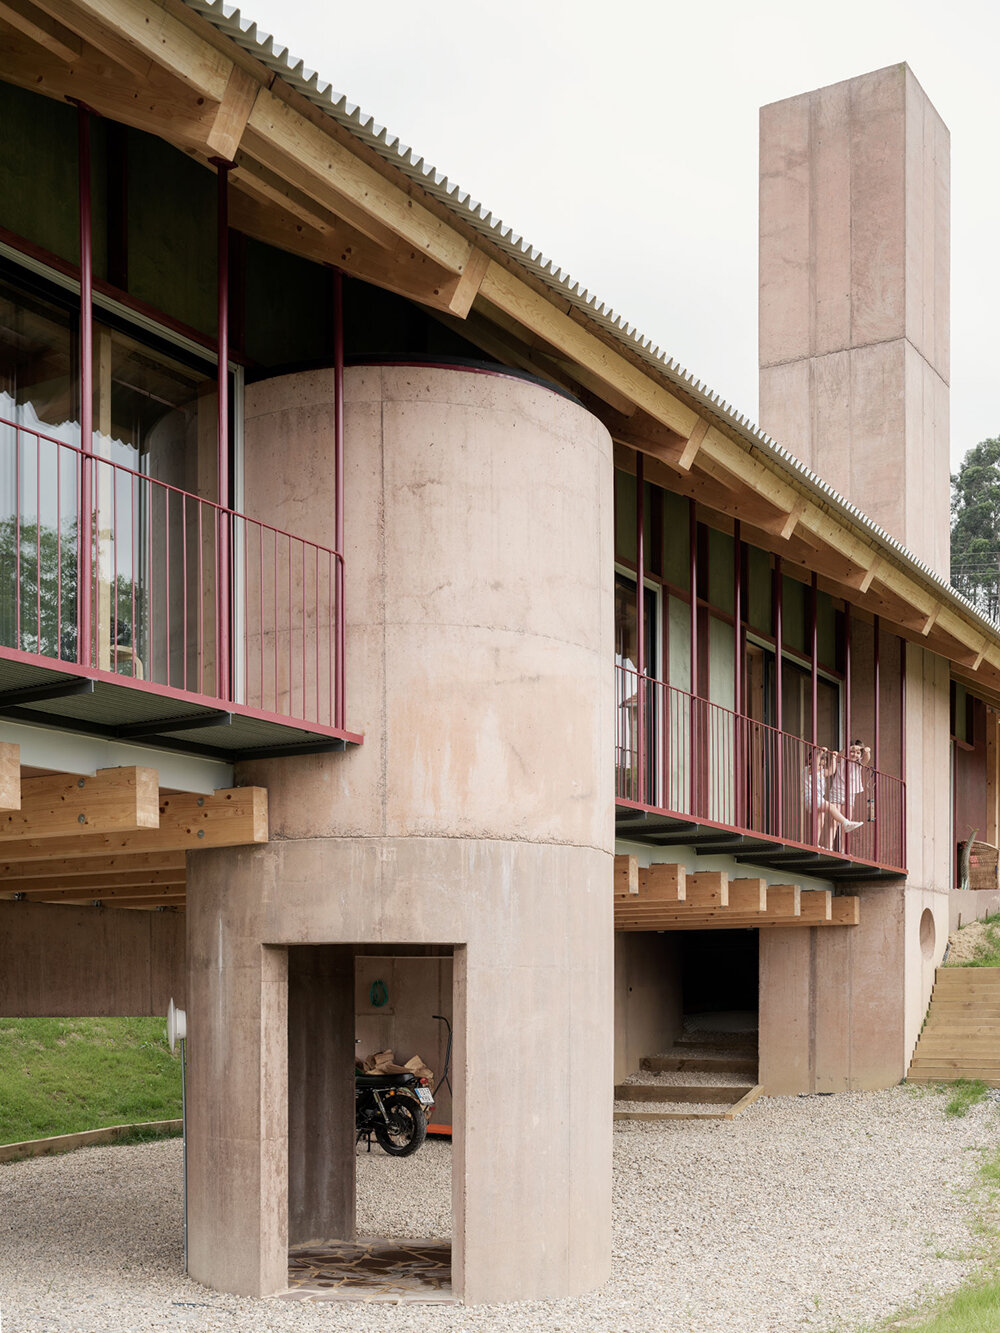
[(42, 29), (283, 140), (140, 34)]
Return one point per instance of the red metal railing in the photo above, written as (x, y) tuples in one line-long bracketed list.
[(160, 560), (685, 756)]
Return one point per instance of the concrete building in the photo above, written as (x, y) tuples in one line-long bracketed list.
[(367, 589)]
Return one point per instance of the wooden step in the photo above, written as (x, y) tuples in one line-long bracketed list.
[(736, 1041), (686, 1113), (702, 1064), (724, 1094)]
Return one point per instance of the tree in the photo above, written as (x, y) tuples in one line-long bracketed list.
[(975, 528)]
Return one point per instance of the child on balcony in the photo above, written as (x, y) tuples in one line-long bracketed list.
[(848, 781), (818, 778)]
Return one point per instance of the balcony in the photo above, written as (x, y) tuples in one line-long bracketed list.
[(688, 771), (133, 610)]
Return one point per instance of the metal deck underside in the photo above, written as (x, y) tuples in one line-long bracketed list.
[(68, 697), (746, 848)]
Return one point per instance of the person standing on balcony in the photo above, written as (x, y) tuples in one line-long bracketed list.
[(819, 776), (848, 781)]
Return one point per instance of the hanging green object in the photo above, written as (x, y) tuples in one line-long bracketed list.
[(378, 995)]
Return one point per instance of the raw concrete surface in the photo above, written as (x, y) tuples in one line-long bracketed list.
[(477, 815)]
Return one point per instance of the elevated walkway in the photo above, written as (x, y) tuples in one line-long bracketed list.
[(961, 1034)]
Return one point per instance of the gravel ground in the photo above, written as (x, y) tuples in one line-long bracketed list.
[(815, 1214), (673, 1078)]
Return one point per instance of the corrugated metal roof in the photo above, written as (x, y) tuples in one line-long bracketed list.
[(263, 47)]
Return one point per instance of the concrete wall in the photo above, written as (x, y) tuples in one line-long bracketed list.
[(477, 814), (831, 1002), (854, 297), (648, 1009), (77, 962)]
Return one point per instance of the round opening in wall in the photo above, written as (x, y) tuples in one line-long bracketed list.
[(927, 933)]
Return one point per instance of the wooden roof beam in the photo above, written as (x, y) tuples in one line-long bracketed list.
[(10, 776), (84, 886), (108, 892), (139, 34), (233, 112), (306, 156), (66, 868), (234, 817), (518, 300), (42, 29), (152, 103), (57, 806)]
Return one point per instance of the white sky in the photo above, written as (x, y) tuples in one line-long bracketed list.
[(621, 140)]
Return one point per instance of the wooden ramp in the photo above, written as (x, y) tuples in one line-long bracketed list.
[(961, 1034)]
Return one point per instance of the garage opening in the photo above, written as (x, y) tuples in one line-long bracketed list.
[(369, 1165), (719, 981)]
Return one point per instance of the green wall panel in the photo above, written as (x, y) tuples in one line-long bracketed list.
[(172, 232)]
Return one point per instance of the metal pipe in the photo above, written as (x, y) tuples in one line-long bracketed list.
[(778, 712), (814, 700), (184, 1140), (693, 586), (338, 481), (738, 668), (84, 523), (640, 613), (877, 748), (222, 375), (901, 859), (847, 673)]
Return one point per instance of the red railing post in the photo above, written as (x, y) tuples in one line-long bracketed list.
[(876, 752), (901, 858), (693, 721), (778, 639), (84, 522), (338, 476), (645, 795), (739, 749), (814, 696), (223, 572)]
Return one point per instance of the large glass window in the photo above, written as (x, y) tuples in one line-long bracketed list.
[(39, 407), (153, 542)]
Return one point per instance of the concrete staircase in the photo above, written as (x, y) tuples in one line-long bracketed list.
[(705, 1076), (961, 1034)]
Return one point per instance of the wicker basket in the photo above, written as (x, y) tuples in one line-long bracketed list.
[(982, 865)]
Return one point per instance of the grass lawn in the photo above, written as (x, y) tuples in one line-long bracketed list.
[(62, 1075), (974, 1308)]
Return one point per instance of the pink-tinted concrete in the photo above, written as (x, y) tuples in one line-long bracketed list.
[(648, 1009), (854, 306), (75, 962), (477, 814), (832, 1002)]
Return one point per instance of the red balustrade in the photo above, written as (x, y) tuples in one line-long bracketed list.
[(684, 756), (183, 593)]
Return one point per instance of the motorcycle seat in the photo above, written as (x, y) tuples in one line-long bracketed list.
[(383, 1080)]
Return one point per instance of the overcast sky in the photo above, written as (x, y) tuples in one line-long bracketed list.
[(620, 138)]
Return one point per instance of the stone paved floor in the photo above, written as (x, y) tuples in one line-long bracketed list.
[(397, 1271)]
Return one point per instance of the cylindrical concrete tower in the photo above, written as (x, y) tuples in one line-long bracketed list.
[(478, 814)]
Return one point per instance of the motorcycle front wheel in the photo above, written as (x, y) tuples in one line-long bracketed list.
[(407, 1127)]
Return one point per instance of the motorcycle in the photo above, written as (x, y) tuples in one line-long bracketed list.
[(393, 1107)]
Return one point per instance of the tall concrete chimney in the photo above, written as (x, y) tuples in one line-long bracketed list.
[(854, 274)]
